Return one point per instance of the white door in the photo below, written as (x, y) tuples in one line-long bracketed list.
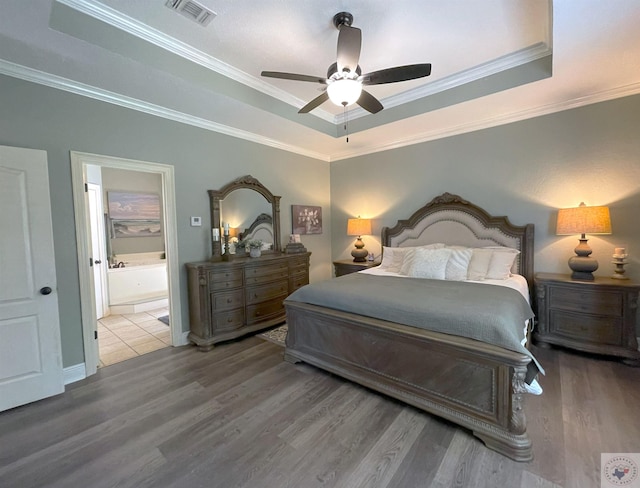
[(98, 249), (30, 353)]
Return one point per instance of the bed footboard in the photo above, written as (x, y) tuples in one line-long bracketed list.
[(475, 385)]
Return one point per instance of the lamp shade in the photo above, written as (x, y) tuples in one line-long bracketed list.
[(358, 227), (583, 220)]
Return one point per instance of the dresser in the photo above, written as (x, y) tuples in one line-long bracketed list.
[(228, 299), (595, 316)]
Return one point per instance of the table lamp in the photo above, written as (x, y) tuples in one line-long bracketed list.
[(359, 227), (583, 220)]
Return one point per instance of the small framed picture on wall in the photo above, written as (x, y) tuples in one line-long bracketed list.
[(306, 219)]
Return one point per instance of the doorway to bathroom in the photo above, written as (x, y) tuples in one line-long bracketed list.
[(126, 232)]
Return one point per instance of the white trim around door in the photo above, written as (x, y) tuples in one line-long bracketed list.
[(79, 161)]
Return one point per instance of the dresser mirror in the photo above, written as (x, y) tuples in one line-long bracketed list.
[(248, 207)]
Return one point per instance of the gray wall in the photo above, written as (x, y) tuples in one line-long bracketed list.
[(39, 117), (526, 170)]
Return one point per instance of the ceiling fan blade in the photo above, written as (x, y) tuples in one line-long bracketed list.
[(399, 73), (349, 45), (370, 103), (319, 100), (294, 76)]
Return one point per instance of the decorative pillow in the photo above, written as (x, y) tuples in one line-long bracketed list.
[(479, 264), (458, 264), (407, 258), (391, 259), (429, 263), (502, 259)]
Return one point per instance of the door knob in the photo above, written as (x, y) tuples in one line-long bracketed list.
[(97, 261), (45, 290)]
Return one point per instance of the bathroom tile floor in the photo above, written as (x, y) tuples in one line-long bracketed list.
[(122, 337)]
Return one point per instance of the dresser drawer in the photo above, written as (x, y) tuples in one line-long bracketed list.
[(227, 300), (600, 302), (299, 264), (263, 274), (232, 320), (589, 328), (298, 280), (257, 294), (222, 280), (262, 311)]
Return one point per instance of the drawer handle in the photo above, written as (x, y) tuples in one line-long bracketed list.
[(229, 300), (255, 295), (229, 320)]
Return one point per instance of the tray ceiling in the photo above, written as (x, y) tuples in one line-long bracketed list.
[(493, 61)]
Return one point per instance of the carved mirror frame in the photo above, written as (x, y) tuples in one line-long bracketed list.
[(250, 183)]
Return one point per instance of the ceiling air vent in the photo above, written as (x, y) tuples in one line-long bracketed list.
[(192, 10)]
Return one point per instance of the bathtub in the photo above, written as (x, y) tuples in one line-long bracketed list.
[(139, 286)]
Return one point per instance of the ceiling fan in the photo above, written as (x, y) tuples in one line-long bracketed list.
[(344, 77)]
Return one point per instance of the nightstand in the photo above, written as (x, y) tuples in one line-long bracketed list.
[(347, 266), (594, 316)]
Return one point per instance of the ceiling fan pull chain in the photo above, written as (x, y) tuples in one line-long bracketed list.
[(346, 120)]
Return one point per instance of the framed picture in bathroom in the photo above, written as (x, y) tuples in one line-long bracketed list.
[(134, 214), (135, 228)]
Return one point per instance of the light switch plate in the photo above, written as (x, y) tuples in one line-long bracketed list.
[(196, 221)]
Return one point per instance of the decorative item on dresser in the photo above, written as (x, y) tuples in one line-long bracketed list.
[(594, 316), (346, 266), (619, 261), (230, 297)]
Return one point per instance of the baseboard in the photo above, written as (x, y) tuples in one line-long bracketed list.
[(74, 373), (138, 306)]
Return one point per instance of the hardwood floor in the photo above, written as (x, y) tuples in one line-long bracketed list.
[(239, 416)]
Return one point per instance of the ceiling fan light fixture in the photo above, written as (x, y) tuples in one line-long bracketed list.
[(344, 92)]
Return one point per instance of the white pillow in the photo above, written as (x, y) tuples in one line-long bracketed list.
[(502, 259), (479, 264), (458, 264), (409, 255), (391, 259), (429, 263)]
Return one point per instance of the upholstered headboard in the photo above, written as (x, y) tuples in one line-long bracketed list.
[(454, 221)]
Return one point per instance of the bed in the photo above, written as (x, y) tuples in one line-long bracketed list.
[(475, 384)]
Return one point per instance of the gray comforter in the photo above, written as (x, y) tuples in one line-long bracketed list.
[(488, 313)]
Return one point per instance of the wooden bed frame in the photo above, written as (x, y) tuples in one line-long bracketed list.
[(473, 384)]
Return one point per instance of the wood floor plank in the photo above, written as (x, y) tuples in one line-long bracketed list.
[(545, 424), (421, 462), (380, 464), (335, 452), (239, 416), (581, 430)]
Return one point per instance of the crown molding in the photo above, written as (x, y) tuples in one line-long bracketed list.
[(142, 31), (603, 96), (35, 76), (54, 81), (495, 66)]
